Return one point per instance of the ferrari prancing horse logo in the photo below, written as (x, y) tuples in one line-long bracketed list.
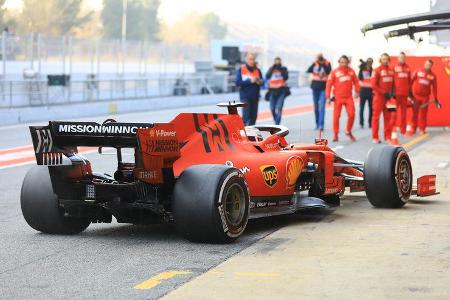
[(270, 175)]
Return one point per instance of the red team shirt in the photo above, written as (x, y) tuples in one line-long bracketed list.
[(382, 80), (423, 83), (402, 79), (343, 80)]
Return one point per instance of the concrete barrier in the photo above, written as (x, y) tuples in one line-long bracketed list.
[(88, 109)]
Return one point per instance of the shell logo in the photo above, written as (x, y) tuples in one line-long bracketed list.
[(152, 132), (294, 166)]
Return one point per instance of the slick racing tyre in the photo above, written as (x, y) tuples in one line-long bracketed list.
[(40, 206), (211, 204), (388, 176)]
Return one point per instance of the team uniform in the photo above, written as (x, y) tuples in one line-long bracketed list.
[(365, 95), (382, 84), (423, 84), (402, 83), (342, 80)]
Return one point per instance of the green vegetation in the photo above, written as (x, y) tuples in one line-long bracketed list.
[(55, 17), (142, 19), (195, 29), (74, 17)]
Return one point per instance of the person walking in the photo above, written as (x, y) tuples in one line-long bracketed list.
[(424, 84), (320, 70), (277, 75), (402, 84), (366, 92), (249, 81), (382, 85), (341, 81)]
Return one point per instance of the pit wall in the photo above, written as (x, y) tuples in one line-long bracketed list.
[(11, 116)]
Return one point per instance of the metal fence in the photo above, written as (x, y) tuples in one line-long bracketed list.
[(98, 69), (44, 54), (32, 92), (102, 70)]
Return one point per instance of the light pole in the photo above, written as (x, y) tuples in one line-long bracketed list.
[(124, 33), (124, 20)]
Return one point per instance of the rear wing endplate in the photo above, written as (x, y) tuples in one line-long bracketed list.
[(62, 138), (426, 186)]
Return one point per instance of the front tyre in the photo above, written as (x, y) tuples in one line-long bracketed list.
[(388, 176), (211, 203), (40, 206)]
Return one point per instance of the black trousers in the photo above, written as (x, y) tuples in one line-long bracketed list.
[(365, 96), (250, 112)]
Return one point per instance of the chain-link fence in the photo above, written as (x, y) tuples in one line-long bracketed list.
[(40, 69), (32, 92), (43, 54)]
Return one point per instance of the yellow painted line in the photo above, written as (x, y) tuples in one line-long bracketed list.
[(256, 274), (216, 272), (415, 141), (155, 280)]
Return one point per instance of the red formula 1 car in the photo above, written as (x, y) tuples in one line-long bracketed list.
[(206, 172)]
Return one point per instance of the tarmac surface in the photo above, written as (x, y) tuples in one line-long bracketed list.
[(355, 252), (120, 261)]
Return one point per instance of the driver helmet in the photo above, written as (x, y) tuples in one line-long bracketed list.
[(253, 134)]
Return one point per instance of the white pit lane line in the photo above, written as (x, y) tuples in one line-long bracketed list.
[(337, 147), (442, 165)]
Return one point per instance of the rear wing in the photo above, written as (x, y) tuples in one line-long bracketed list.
[(59, 138)]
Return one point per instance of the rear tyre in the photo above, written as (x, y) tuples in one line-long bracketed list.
[(211, 204), (40, 206), (388, 176)]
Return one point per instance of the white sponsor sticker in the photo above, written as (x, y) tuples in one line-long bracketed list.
[(165, 133), (424, 81), (345, 78), (148, 174), (222, 218), (243, 170), (90, 128)]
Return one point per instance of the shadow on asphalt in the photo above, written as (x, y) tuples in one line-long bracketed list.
[(363, 198), (424, 201), (256, 228)]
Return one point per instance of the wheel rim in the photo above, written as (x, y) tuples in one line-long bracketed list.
[(404, 177), (234, 205)]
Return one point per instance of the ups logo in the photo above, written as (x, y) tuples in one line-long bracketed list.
[(270, 175)]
